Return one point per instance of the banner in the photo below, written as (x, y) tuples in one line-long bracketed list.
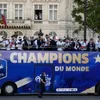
[(69, 72)]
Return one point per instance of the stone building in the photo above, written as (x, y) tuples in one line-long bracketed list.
[(26, 17)]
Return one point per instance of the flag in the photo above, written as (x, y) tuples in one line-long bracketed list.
[(3, 21)]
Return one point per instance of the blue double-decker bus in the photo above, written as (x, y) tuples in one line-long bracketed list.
[(66, 72)]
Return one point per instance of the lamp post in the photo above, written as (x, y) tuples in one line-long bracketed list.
[(85, 18), (67, 35)]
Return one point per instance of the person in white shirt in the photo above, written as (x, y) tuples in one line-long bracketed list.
[(98, 44), (5, 44), (19, 43), (60, 45), (36, 45), (84, 45), (36, 17), (47, 42), (8, 46), (40, 16)]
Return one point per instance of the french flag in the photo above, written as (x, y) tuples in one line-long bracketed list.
[(3, 19)]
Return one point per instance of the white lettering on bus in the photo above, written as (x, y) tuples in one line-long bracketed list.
[(32, 58), (66, 58), (12, 57), (22, 57)]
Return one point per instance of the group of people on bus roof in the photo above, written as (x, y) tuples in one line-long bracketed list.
[(47, 43)]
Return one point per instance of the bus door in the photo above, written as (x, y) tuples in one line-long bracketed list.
[(48, 69)]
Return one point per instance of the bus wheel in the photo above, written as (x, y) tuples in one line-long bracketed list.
[(98, 89), (8, 89)]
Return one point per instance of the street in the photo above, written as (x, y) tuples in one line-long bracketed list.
[(50, 98)]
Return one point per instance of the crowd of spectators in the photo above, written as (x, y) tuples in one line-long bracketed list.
[(49, 44)]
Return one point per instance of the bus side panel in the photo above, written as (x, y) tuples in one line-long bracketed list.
[(65, 77)]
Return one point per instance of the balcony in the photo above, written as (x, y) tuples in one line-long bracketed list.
[(17, 24), (22, 21), (38, 21), (15, 21)]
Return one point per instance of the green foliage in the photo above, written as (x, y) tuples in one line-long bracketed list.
[(93, 14)]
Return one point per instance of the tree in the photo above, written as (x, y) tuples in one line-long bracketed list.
[(93, 14)]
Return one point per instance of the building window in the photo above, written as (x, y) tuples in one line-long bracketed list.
[(36, 33), (18, 33), (18, 11), (53, 12), (3, 34), (3, 10), (38, 12), (52, 34)]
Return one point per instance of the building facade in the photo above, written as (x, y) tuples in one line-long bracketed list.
[(27, 17)]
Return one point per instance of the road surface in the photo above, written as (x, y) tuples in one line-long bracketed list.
[(50, 98)]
